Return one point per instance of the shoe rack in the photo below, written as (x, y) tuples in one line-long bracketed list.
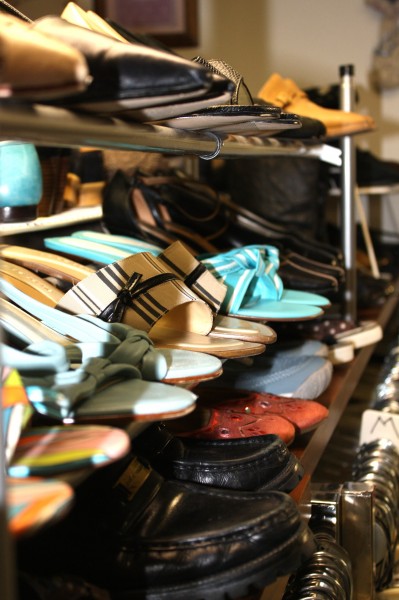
[(51, 126)]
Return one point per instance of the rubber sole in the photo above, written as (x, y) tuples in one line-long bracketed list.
[(240, 581)]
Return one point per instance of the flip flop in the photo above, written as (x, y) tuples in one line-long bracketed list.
[(162, 305), (34, 503), (50, 451), (94, 338), (98, 391)]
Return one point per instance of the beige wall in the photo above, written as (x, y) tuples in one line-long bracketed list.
[(305, 40)]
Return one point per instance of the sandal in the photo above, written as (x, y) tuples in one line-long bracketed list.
[(17, 412), (97, 391), (65, 269), (34, 503), (338, 333), (237, 269), (254, 289), (50, 451), (316, 273), (234, 120), (166, 208), (172, 315), (95, 338)]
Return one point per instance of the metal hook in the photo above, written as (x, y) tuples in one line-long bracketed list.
[(217, 150)]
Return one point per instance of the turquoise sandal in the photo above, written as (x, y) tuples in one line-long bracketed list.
[(96, 338), (255, 291)]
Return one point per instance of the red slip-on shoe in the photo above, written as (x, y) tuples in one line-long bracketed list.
[(305, 415), (214, 424)]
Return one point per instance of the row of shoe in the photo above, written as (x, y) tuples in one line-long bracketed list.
[(199, 491), (254, 465), (86, 63)]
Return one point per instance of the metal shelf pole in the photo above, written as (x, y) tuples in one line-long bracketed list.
[(348, 176)]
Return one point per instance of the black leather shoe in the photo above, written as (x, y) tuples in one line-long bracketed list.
[(140, 536), (126, 76), (251, 464), (57, 587)]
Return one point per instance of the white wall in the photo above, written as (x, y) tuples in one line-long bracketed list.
[(305, 40)]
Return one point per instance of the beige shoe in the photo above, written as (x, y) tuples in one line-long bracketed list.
[(37, 66), (288, 96), (76, 15)]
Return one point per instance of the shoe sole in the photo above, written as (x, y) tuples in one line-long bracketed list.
[(314, 385), (341, 353), (239, 581), (368, 333)]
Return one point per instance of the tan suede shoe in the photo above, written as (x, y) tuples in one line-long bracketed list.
[(288, 96)]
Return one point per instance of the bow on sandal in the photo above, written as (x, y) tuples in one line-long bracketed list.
[(97, 391)]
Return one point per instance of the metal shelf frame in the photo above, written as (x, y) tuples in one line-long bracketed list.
[(48, 125)]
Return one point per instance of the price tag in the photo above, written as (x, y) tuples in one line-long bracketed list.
[(379, 425)]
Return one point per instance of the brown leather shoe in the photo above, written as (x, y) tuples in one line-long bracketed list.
[(287, 95)]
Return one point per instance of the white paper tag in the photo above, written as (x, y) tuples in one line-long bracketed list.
[(379, 425)]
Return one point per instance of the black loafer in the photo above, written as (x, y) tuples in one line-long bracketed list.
[(123, 75), (250, 464), (140, 536)]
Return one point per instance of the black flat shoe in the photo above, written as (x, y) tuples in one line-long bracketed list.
[(141, 536), (57, 587), (126, 76), (250, 464)]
